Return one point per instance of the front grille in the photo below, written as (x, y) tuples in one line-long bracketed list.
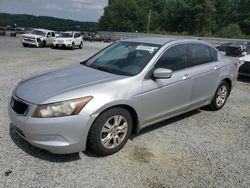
[(28, 39), (60, 41), (18, 106)]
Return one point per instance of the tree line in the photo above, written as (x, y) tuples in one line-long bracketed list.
[(57, 24), (220, 18)]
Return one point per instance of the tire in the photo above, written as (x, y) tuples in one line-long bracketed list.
[(73, 46), (41, 44), (220, 97), (25, 45), (81, 46), (108, 128)]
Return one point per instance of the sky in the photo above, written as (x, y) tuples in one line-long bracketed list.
[(80, 10)]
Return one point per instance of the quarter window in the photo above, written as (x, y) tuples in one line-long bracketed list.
[(199, 54), (174, 58)]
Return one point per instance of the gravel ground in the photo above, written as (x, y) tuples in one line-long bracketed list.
[(198, 149)]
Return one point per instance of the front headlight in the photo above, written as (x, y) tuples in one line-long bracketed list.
[(60, 109), (68, 41)]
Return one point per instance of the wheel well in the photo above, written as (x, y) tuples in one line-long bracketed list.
[(229, 82)]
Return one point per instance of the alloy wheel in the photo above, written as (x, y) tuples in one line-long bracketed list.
[(221, 96), (114, 131)]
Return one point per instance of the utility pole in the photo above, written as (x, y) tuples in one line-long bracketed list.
[(149, 20)]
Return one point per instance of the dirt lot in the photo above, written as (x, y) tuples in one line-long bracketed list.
[(198, 149)]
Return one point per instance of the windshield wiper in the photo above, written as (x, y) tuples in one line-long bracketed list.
[(105, 69)]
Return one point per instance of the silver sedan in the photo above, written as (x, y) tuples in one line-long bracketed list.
[(124, 88)]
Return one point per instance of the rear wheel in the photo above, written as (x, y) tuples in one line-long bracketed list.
[(110, 131), (220, 96)]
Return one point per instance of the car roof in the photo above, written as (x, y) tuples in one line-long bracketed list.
[(71, 32), (44, 30), (162, 40)]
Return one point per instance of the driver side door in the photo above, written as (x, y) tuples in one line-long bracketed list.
[(163, 98)]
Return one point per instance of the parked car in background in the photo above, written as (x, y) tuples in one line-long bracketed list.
[(2, 33), (38, 38), (68, 39), (122, 89), (238, 49), (244, 69), (223, 47)]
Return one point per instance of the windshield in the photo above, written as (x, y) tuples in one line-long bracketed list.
[(124, 58), (37, 32), (67, 35)]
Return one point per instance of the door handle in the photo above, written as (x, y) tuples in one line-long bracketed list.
[(216, 67), (185, 77)]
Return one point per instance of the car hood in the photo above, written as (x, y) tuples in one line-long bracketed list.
[(38, 88), (31, 35)]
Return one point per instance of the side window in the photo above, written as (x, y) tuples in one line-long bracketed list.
[(53, 34), (76, 35), (174, 58), (199, 54), (214, 55), (49, 35)]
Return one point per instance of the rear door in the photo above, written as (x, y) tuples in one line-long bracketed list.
[(164, 97), (206, 70)]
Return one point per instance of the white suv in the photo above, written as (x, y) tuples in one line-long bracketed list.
[(68, 40), (38, 38)]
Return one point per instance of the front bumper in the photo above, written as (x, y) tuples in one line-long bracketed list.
[(32, 42), (58, 135)]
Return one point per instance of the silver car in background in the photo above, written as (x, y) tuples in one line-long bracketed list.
[(124, 88)]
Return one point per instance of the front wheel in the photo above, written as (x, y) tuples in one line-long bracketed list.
[(41, 44), (73, 46), (110, 132), (220, 96), (25, 45), (81, 46)]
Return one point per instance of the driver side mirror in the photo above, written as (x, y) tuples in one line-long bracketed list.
[(162, 73)]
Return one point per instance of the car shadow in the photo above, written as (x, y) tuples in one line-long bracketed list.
[(169, 122), (40, 153)]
